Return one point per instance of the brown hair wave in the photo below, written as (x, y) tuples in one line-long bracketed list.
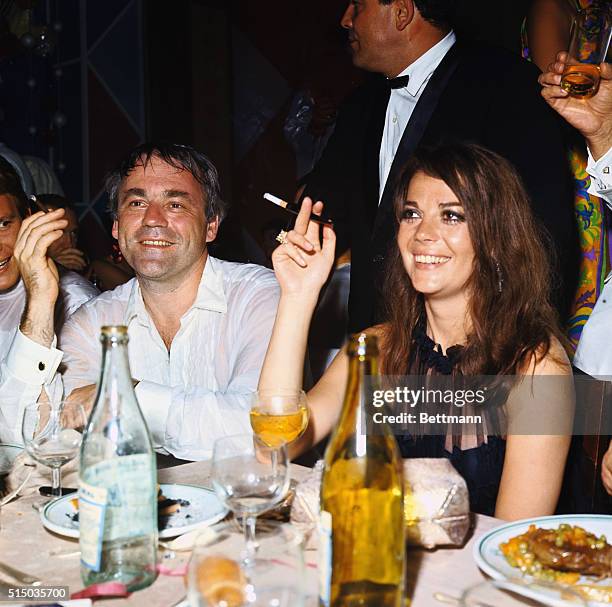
[(511, 328)]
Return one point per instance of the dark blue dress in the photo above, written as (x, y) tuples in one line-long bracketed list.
[(482, 466)]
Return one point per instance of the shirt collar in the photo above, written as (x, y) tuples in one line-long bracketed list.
[(135, 307), (211, 292), (210, 295), (421, 69)]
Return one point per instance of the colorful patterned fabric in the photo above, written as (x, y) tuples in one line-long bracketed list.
[(590, 217), (590, 214)]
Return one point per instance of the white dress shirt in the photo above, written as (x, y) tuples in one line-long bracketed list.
[(202, 388), (25, 366), (601, 176), (594, 352), (403, 101)]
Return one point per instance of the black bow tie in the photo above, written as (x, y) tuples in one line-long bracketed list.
[(398, 83)]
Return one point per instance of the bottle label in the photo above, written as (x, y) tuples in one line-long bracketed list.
[(92, 507), (121, 494), (325, 557)]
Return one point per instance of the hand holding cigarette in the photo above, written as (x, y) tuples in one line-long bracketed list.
[(304, 260)]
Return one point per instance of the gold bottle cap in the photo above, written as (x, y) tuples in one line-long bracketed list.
[(114, 330), (114, 334)]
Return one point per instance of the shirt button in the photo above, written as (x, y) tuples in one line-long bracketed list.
[(41, 366), (394, 119)]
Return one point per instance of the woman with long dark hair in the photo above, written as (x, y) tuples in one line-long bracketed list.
[(467, 294)]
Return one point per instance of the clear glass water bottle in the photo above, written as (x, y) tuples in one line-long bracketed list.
[(118, 479)]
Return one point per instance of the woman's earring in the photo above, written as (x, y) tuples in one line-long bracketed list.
[(500, 278)]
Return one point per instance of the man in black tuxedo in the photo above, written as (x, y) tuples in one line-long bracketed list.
[(436, 89)]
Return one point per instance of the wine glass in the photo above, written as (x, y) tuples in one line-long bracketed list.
[(52, 434), (249, 477), (217, 574), (279, 416)]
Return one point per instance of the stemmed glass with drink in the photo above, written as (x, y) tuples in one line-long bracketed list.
[(589, 45), (279, 416), (52, 434), (249, 477)]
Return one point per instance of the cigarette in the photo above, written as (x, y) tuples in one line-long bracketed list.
[(276, 200), (295, 209)]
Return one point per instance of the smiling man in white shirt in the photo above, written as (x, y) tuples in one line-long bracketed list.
[(198, 326), (35, 297)]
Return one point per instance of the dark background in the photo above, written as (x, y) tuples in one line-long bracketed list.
[(81, 82)]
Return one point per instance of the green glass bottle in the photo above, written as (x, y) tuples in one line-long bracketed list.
[(118, 478)]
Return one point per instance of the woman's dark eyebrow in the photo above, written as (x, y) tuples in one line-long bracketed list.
[(443, 205)]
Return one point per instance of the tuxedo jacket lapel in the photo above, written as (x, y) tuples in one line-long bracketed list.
[(414, 131), (373, 138)]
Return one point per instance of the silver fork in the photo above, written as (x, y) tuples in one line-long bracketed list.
[(21, 576)]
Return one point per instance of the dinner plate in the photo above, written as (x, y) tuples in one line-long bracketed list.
[(490, 559), (204, 509), (8, 453)]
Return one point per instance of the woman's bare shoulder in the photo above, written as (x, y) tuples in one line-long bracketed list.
[(554, 362)]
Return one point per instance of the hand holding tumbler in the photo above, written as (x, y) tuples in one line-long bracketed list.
[(589, 43)]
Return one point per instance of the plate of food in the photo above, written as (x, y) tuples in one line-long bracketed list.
[(555, 553), (181, 508)]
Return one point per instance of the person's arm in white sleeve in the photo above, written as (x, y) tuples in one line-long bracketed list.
[(32, 359), (601, 175), (591, 117), (26, 369), (187, 420), (79, 342)]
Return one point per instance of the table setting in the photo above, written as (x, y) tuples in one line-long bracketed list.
[(243, 529), (435, 577)]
